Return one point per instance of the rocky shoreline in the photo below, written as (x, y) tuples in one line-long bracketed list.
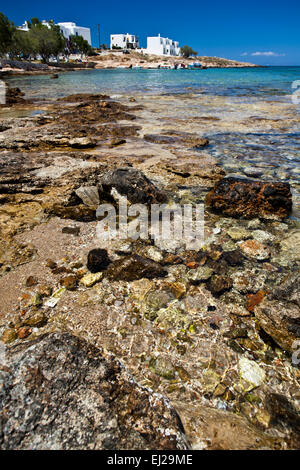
[(112, 61), (174, 348)]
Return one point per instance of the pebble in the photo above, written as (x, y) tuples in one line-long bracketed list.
[(90, 279), (238, 233), (251, 372), (255, 249)]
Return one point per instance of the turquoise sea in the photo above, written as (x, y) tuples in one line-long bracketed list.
[(258, 110), (262, 81)]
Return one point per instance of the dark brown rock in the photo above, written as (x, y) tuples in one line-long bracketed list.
[(233, 258), (133, 184), (97, 260), (14, 96), (219, 284), (59, 392), (71, 230), (236, 197), (135, 267), (69, 282), (284, 417), (31, 281)]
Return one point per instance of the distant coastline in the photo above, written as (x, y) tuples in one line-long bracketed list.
[(115, 61)]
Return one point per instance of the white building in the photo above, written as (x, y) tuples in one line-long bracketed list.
[(67, 29), (71, 29), (124, 41), (162, 46)]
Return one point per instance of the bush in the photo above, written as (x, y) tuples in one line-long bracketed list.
[(187, 51)]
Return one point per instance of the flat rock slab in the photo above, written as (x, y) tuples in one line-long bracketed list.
[(60, 393)]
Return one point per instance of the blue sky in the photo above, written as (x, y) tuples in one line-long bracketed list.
[(264, 32)]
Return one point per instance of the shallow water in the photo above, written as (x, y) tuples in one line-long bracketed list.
[(254, 125)]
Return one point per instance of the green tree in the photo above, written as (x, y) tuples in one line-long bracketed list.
[(21, 46), (187, 51), (77, 44), (7, 29), (46, 41)]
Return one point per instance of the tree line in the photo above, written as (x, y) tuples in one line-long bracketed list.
[(39, 41)]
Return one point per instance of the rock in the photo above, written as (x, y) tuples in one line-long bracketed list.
[(248, 199), (90, 279), (117, 142), (251, 372), (9, 335), (97, 260), (135, 267), (71, 230), (284, 417), (290, 249), (34, 319), (24, 332), (51, 264), (89, 195), (249, 281), (280, 320), (14, 96), (160, 139), (253, 172), (233, 257), (153, 253), (44, 290), (289, 289), (238, 233), (200, 143), (60, 393), (82, 213), (200, 274), (254, 299), (219, 284), (83, 142), (54, 76), (253, 249), (69, 282), (31, 281), (162, 367), (213, 429), (155, 300), (133, 184), (262, 236), (35, 300)]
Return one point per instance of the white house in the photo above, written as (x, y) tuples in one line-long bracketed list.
[(67, 29), (124, 41), (162, 46), (71, 29)]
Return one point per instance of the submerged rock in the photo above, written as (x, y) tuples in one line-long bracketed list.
[(97, 260), (215, 429), (60, 393), (253, 249), (281, 320), (236, 197), (135, 267), (133, 184)]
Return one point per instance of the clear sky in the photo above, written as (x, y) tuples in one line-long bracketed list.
[(261, 31)]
